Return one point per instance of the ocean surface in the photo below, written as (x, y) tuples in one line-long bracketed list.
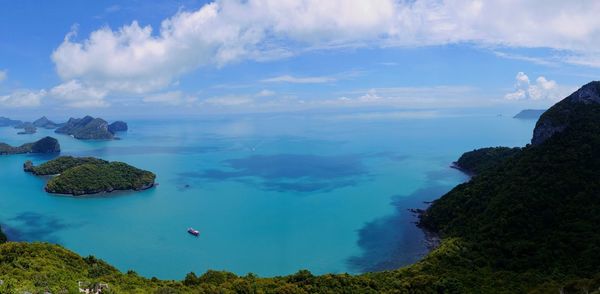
[(271, 194)]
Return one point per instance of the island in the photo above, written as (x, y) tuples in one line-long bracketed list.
[(44, 145), (89, 128), (7, 122), (118, 126), (88, 175), (28, 130), (31, 127), (44, 122), (530, 114)]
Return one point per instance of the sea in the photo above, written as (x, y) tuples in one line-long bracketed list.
[(271, 194)]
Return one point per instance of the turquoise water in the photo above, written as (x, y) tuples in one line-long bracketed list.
[(271, 194)]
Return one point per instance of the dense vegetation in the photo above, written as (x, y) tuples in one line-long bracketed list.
[(478, 160), (60, 164), (89, 175), (537, 212), (44, 145), (92, 178)]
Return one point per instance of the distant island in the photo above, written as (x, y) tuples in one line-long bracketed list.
[(90, 128), (530, 114), (45, 123), (86, 128), (31, 127), (28, 129), (88, 175), (44, 145), (7, 122), (118, 126)]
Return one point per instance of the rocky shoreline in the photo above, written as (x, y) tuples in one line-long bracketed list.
[(432, 239)]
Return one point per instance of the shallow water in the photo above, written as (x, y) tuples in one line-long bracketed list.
[(270, 194)]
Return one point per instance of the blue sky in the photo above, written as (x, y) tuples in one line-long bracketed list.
[(192, 58)]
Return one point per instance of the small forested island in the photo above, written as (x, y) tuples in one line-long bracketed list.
[(529, 114), (87, 175), (90, 128), (44, 145)]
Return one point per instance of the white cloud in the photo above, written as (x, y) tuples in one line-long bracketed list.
[(228, 101), (77, 95), (3, 75), (170, 98), (22, 98), (413, 97), (265, 93), (370, 96), (542, 89), (139, 59), (299, 80)]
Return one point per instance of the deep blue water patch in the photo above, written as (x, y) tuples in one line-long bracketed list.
[(389, 155), (146, 150), (33, 226), (394, 241), (289, 172)]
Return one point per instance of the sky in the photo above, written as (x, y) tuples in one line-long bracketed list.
[(192, 58)]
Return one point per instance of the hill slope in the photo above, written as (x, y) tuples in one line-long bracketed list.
[(539, 209)]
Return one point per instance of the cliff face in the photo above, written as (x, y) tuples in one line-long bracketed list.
[(561, 115)]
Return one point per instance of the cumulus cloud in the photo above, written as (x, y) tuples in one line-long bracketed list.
[(77, 95), (3, 75), (541, 89), (22, 98), (170, 98), (136, 58)]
